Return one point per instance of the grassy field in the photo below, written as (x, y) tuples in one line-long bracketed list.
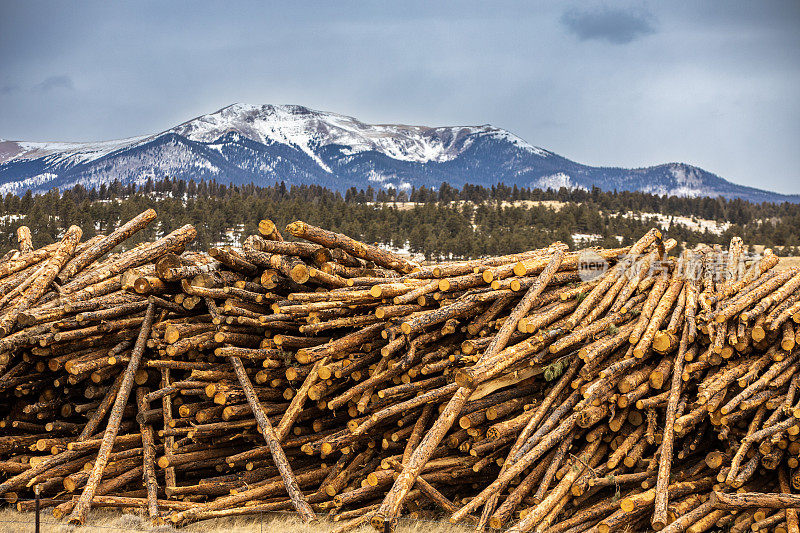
[(789, 262), (108, 521)]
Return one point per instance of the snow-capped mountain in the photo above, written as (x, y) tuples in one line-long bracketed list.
[(268, 144)]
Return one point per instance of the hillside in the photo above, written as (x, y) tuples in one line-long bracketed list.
[(268, 144), (447, 223)]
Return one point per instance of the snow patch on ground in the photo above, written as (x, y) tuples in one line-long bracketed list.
[(4, 219), (684, 191), (692, 223), (404, 251), (555, 182), (583, 239)]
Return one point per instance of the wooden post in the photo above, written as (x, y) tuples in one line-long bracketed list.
[(78, 515), (660, 519), (37, 491), (148, 457), (24, 239), (170, 480), (390, 507), (278, 456)]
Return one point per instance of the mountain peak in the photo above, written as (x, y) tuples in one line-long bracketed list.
[(309, 129), (242, 108), (264, 144)]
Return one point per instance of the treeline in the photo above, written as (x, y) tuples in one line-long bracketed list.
[(446, 222)]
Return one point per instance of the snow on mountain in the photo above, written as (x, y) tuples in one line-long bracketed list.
[(307, 130), (267, 144), (33, 183), (556, 181)]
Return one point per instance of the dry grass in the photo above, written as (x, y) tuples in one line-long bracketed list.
[(555, 205), (108, 521), (789, 262)]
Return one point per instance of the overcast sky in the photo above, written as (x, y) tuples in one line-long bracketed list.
[(713, 83)]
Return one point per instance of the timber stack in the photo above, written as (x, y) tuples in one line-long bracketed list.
[(337, 379)]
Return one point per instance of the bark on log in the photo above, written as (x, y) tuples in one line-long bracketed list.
[(105, 245), (330, 239), (42, 283)]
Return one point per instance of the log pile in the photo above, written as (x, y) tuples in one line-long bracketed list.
[(334, 378)]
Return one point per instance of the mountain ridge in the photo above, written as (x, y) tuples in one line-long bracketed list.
[(266, 144)]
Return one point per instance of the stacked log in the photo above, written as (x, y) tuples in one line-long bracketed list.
[(336, 378)]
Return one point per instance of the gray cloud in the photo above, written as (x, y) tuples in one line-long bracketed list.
[(707, 83), (615, 25), (53, 83)]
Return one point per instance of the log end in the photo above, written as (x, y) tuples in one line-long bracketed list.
[(627, 505), (299, 273), (296, 228), (464, 378), (302, 356)]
